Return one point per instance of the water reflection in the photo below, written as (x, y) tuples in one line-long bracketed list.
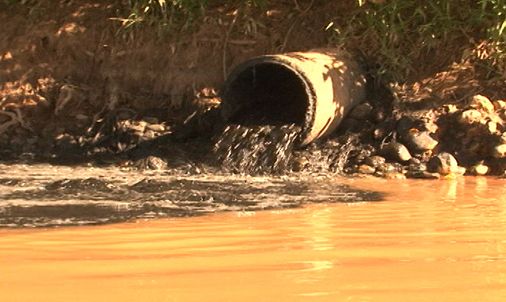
[(428, 241)]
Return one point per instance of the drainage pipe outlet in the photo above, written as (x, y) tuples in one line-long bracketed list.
[(314, 90)]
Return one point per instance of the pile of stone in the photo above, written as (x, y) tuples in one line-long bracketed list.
[(440, 142)]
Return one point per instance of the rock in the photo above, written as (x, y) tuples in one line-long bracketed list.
[(431, 126), (444, 163), (156, 127), (299, 164), (405, 124), (396, 151), (420, 140), (366, 169), (479, 169), (388, 168), (470, 116), (423, 175), (375, 161), (417, 167), (460, 170), (350, 124), (361, 112), (492, 127), (379, 133), (379, 115), (134, 127), (499, 104), (415, 161), (153, 163), (149, 134), (499, 151), (450, 108), (482, 102)]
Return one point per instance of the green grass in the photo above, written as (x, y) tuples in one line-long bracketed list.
[(166, 15), (399, 34), (171, 15)]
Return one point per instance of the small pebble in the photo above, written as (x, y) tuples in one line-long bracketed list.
[(366, 169), (479, 169)]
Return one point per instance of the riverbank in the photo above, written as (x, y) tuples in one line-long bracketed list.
[(76, 86)]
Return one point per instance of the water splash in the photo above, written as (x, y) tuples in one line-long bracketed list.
[(257, 149)]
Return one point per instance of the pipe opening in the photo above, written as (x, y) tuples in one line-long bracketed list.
[(267, 94)]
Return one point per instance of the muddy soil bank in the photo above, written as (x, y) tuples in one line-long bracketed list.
[(73, 86)]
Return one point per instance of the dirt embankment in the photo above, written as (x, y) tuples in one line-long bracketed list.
[(63, 62), (70, 77)]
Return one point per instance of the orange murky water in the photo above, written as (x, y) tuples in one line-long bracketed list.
[(429, 241)]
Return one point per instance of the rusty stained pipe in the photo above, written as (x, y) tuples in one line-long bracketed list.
[(313, 89)]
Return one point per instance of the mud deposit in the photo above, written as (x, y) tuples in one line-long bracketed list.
[(44, 195)]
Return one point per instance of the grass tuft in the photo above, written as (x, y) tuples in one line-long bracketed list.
[(397, 34)]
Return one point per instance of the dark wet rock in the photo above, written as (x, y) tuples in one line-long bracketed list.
[(299, 164), (361, 111), (405, 124), (423, 175), (379, 115), (350, 124), (73, 185), (420, 140), (499, 151), (361, 155), (375, 161), (389, 168), (444, 163), (10, 182), (152, 186), (417, 167), (396, 151), (366, 169)]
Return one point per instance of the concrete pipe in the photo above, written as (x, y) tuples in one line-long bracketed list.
[(314, 89)]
